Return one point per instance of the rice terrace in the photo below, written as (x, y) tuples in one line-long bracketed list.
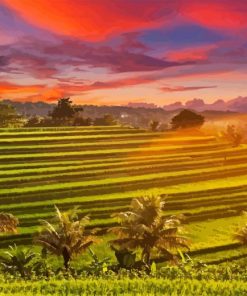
[(100, 169)]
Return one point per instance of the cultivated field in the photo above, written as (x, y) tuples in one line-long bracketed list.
[(101, 169)]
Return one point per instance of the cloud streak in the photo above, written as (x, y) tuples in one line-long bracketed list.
[(8, 87), (184, 88), (93, 20)]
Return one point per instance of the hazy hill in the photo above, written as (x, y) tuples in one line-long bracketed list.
[(238, 104)]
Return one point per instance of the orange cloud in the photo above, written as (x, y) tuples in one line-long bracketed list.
[(7, 87), (92, 19), (48, 95)]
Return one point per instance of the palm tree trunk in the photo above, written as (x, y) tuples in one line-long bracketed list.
[(146, 255), (66, 258)]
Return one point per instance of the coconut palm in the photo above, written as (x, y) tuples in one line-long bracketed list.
[(66, 237), (8, 223), (145, 227)]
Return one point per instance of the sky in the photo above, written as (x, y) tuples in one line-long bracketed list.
[(120, 51)]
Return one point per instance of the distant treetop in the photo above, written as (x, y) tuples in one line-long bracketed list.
[(186, 119)]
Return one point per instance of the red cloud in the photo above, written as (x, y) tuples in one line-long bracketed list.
[(184, 88), (95, 19), (227, 14)]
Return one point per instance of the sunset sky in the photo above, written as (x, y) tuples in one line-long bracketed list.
[(120, 51)]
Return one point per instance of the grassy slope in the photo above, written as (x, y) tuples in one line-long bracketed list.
[(101, 169)]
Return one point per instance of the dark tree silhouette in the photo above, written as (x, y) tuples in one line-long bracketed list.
[(154, 124), (33, 121), (9, 116), (187, 119), (80, 121), (107, 120), (65, 110)]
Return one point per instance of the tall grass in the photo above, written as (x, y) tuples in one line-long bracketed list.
[(126, 286)]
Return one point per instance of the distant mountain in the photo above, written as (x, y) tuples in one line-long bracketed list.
[(142, 105), (238, 104), (174, 106)]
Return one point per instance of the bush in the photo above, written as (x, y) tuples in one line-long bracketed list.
[(80, 121), (107, 120), (187, 119), (233, 135)]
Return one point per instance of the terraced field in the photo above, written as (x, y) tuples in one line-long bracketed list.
[(101, 169)]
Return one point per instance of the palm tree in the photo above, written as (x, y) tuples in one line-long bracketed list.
[(17, 259), (145, 227), (241, 234), (66, 237), (8, 223)]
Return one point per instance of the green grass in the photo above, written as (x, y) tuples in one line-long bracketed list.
[(125, 286), (201, 177)]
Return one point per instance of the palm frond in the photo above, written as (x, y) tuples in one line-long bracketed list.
[(66, 236), (8, 223)]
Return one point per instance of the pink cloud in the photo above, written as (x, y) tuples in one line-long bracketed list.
[(184, 88), (196, 54)]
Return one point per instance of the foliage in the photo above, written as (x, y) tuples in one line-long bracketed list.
[(106, 120), (126, 258), (80, 121), (145, 227), (66, 237), (154, 125), (17, 260), (8, 223), (233, 135), (34, 121), (241, 234), (187, 119), (40, 266), (9, 116), (97, 266), (65, 110)]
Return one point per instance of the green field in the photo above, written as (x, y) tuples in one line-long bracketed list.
[(100, 169), (115, 287)]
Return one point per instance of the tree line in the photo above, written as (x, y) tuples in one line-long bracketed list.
[(65, 113)]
